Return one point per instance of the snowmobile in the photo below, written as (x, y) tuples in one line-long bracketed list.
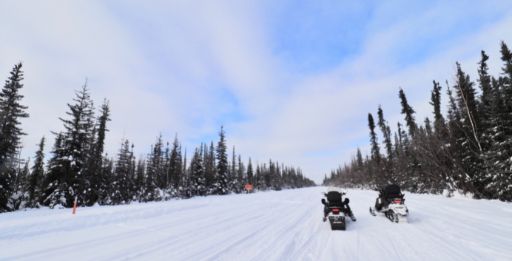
[(336, 210), (391, 203)]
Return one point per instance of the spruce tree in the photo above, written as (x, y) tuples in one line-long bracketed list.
[(375, 149), (184, 169), (504, 86), (154, 169), (258, 178), (408, 112), (386, 133), (240, 175), (11, 111), (506, 57), (359, 158), (250, 174), (267, 178), (499, 155), (456, 136), (374, 170), (412, 169), (110, 183), (232, 181), (471, 150), (140, 180), (222, 165), (439, 148), (467, 104), (164, 180), (272, 173), (96, 180), (435, 101), (36, 176), (175, 168), (185, 183), (55, 184), (210, 167), (486, 100), (19, 198), (122, 177), (77, 143), (133, 189), (198, 182)]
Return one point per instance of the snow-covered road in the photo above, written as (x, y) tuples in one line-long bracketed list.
[(283, 225)]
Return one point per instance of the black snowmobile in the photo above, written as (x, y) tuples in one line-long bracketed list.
[(391, 203), (336, 209)]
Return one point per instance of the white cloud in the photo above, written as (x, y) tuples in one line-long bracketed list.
[(189, 67), (328, 111)]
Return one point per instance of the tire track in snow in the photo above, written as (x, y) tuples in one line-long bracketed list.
[(283, 225), (184, 237), (134, 231)]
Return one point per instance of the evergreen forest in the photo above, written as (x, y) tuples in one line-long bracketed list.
[(469, 149), (78, 168)]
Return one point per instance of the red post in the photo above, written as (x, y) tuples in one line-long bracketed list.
[(74, 205)]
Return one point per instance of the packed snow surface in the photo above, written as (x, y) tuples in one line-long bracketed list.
[(282, 225)]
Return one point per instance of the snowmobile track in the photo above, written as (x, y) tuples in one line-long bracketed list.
[(283, 225)]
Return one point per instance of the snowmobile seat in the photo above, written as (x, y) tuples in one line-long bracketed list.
[(334, 199)]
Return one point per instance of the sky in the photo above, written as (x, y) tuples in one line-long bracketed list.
[(288, 80)]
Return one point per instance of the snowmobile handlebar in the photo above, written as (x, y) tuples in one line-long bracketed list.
[(346, 201), (342, 193)]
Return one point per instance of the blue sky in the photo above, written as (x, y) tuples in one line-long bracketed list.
[(290, 80)]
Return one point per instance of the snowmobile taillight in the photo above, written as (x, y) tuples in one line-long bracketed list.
[(397, 201), (335, 210)]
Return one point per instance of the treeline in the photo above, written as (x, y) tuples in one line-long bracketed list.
[(469, 150), (79, 169)]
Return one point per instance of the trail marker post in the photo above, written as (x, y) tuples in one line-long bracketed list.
[(74, 205)]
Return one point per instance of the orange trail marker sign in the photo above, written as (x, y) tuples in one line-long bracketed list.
[(248, 187)]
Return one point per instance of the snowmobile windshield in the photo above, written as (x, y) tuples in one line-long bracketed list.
[(334, 198), (392, 191)]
